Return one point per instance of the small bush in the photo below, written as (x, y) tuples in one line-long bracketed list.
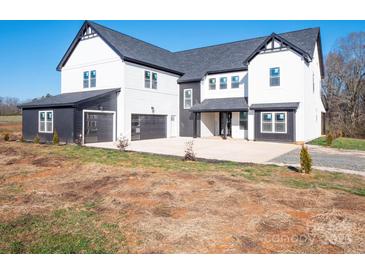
[(36, 140), (189, 152), (78, 141), (329, 139), (122, 144), (6, 137), (56, 139), (22, 139), (305, 160)]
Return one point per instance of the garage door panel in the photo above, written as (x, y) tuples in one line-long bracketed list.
[(98, 127), (148, 126)]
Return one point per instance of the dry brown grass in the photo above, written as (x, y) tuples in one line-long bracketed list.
[(177, 211)]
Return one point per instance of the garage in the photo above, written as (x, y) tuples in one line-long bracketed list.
[(98, 126), (148, 126)]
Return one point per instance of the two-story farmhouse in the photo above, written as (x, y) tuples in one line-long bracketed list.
[(266, 88)]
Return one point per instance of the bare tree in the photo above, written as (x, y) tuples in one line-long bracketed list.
[(8, 106), (344, 86)]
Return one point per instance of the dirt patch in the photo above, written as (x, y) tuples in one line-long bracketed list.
[(163, 211)]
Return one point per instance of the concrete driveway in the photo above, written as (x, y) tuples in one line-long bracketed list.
[(211, 148)]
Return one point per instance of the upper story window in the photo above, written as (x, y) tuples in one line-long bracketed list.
[(274, 77), (243, 120), (188, 98), (45, 123), (93, 78), (223, 83), (86, 79), (235, 82), (212, 84), (147, 79), (89, 79), (154, 80)]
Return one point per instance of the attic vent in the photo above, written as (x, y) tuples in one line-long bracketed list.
[(88, 33)]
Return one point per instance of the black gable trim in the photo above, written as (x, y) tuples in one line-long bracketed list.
[(285, 42)]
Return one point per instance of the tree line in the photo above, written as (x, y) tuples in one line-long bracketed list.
[(343, 87), (9, 106)]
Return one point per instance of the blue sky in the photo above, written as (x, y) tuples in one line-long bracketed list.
[(31, 50)]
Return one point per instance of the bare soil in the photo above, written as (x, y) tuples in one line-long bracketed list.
[(167, 211)]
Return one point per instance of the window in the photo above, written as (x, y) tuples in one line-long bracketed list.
[(154, 80), (93, 78), (223, 83), (273, 122), (235, 82), (212, 84), (86, 79), (147, 79), (188, 98), (45, 124), (243, 120), (275, 77)]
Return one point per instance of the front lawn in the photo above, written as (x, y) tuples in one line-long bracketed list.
[(70, 199), (342, 143)]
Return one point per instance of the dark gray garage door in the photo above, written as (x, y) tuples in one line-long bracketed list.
[(98, 127), (148, 126)]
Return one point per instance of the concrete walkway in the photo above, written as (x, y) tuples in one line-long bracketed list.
[(211, 148)]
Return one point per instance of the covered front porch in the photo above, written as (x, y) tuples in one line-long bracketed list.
[(225, 117)]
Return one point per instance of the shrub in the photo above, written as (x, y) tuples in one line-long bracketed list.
[(78, 141), (305, 160), (329, 139), (36, 139), (56, 139), (22, 139), (189, 152), (6, 137), (122, 144)]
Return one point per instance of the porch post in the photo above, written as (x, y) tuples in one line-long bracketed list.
[(224, 125), (195, 125)]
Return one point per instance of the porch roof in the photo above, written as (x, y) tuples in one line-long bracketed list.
[(275, 106), (221, 104)]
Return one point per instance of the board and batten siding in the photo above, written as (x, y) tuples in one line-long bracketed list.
[(289, 136), (186, 116), (63, 123)]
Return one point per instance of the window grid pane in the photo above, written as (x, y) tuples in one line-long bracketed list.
[(235, 82), (223, 83)]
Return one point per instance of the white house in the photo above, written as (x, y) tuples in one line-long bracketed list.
[(112, 85)]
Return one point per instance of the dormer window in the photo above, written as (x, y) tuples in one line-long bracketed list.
[(212, 84), (223, 83), (274, 77), (235, 82)]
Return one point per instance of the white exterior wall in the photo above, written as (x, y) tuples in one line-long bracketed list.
[(242, 91), (92, 54), (139, 100), (208, 124), (236, 131), (312, 100), (292, 84)]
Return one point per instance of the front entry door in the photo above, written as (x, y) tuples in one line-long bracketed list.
[(228, 124)]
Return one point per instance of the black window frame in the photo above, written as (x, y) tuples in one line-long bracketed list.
[(154, 81), (86, 79), (92, 79), (275, 79), (220, 83), (212, 85), (234, 83), (243, 120), (147, 81)]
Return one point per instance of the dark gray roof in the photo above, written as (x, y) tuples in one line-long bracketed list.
[(275, 106), (68, 99), (221, 104), (195, 63)]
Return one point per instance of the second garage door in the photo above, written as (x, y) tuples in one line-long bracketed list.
[(148, 126)]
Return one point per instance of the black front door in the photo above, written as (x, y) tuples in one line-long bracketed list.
[(228, 123)]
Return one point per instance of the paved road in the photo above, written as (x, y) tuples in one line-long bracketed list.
[(327, 157)]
